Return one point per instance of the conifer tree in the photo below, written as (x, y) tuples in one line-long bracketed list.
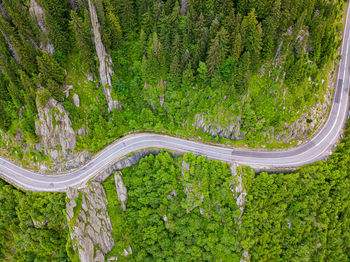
[(270, 25), (201, 35), (153, 61), (83, 41), (50, 69), (252, 36), (218, 51), (237, 42)]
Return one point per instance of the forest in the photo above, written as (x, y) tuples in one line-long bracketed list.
[(32, 225), (174, 217), (298, 216), (176, 66), (246, 66)]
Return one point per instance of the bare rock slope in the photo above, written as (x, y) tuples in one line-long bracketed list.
[(90, 224), (105, 60)]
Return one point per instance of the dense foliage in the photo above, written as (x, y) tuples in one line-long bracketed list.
[(32, 225), (254, 64), (174, 217), (300, 216)]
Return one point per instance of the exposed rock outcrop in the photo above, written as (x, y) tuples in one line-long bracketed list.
[(184, 6), (74, 4), (105, 60), (38, 13), (13, 51), (307, 123), (238, 191), (57, 137), (55, 130), (121, 190), (76, 100), (231, 130), (88, 219), (155, 95), (3, 12)]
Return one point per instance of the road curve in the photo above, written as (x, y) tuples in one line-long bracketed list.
[(306, 153)]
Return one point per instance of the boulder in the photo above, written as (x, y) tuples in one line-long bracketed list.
[(76, 100)]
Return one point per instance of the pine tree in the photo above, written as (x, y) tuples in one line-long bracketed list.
[(55, 90), (218, 51), (237, 42), (214, 29), (4, 93), (201, 34), (242, 72), (30, 90), (16, 94), (127, 17), (187, 76), (252, 36), (50, 69), (57, 22), (83, 41), (5, 119), (270, 25), (153, 61)]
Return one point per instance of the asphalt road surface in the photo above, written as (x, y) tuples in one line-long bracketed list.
[(306, 153)]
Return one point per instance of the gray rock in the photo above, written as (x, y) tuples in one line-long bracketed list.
[(86, 250), (74, 5), (184, 6), (121, 190), (38, 13), (214, 127), (3, 12), (82, 132), (39, 224), (67, 88), (76, 100), (91, 230), (165, 218), (55, 130), (99, 257), (185, 166), (105, 60), (57, 138), (13, 51)]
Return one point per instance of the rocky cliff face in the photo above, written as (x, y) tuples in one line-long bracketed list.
[(89, 222), (121, 190), (55, 129), (38, 14), (230, 127), (105, 60), (230, 130), (307, 123), (57, 137)]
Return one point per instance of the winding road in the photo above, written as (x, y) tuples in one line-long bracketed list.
[(311, 151)]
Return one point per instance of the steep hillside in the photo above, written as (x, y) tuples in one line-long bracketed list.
[(77, 74)]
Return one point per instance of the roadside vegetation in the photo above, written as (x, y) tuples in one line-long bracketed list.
[(250, 66), (299, 216), (175, 214)]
